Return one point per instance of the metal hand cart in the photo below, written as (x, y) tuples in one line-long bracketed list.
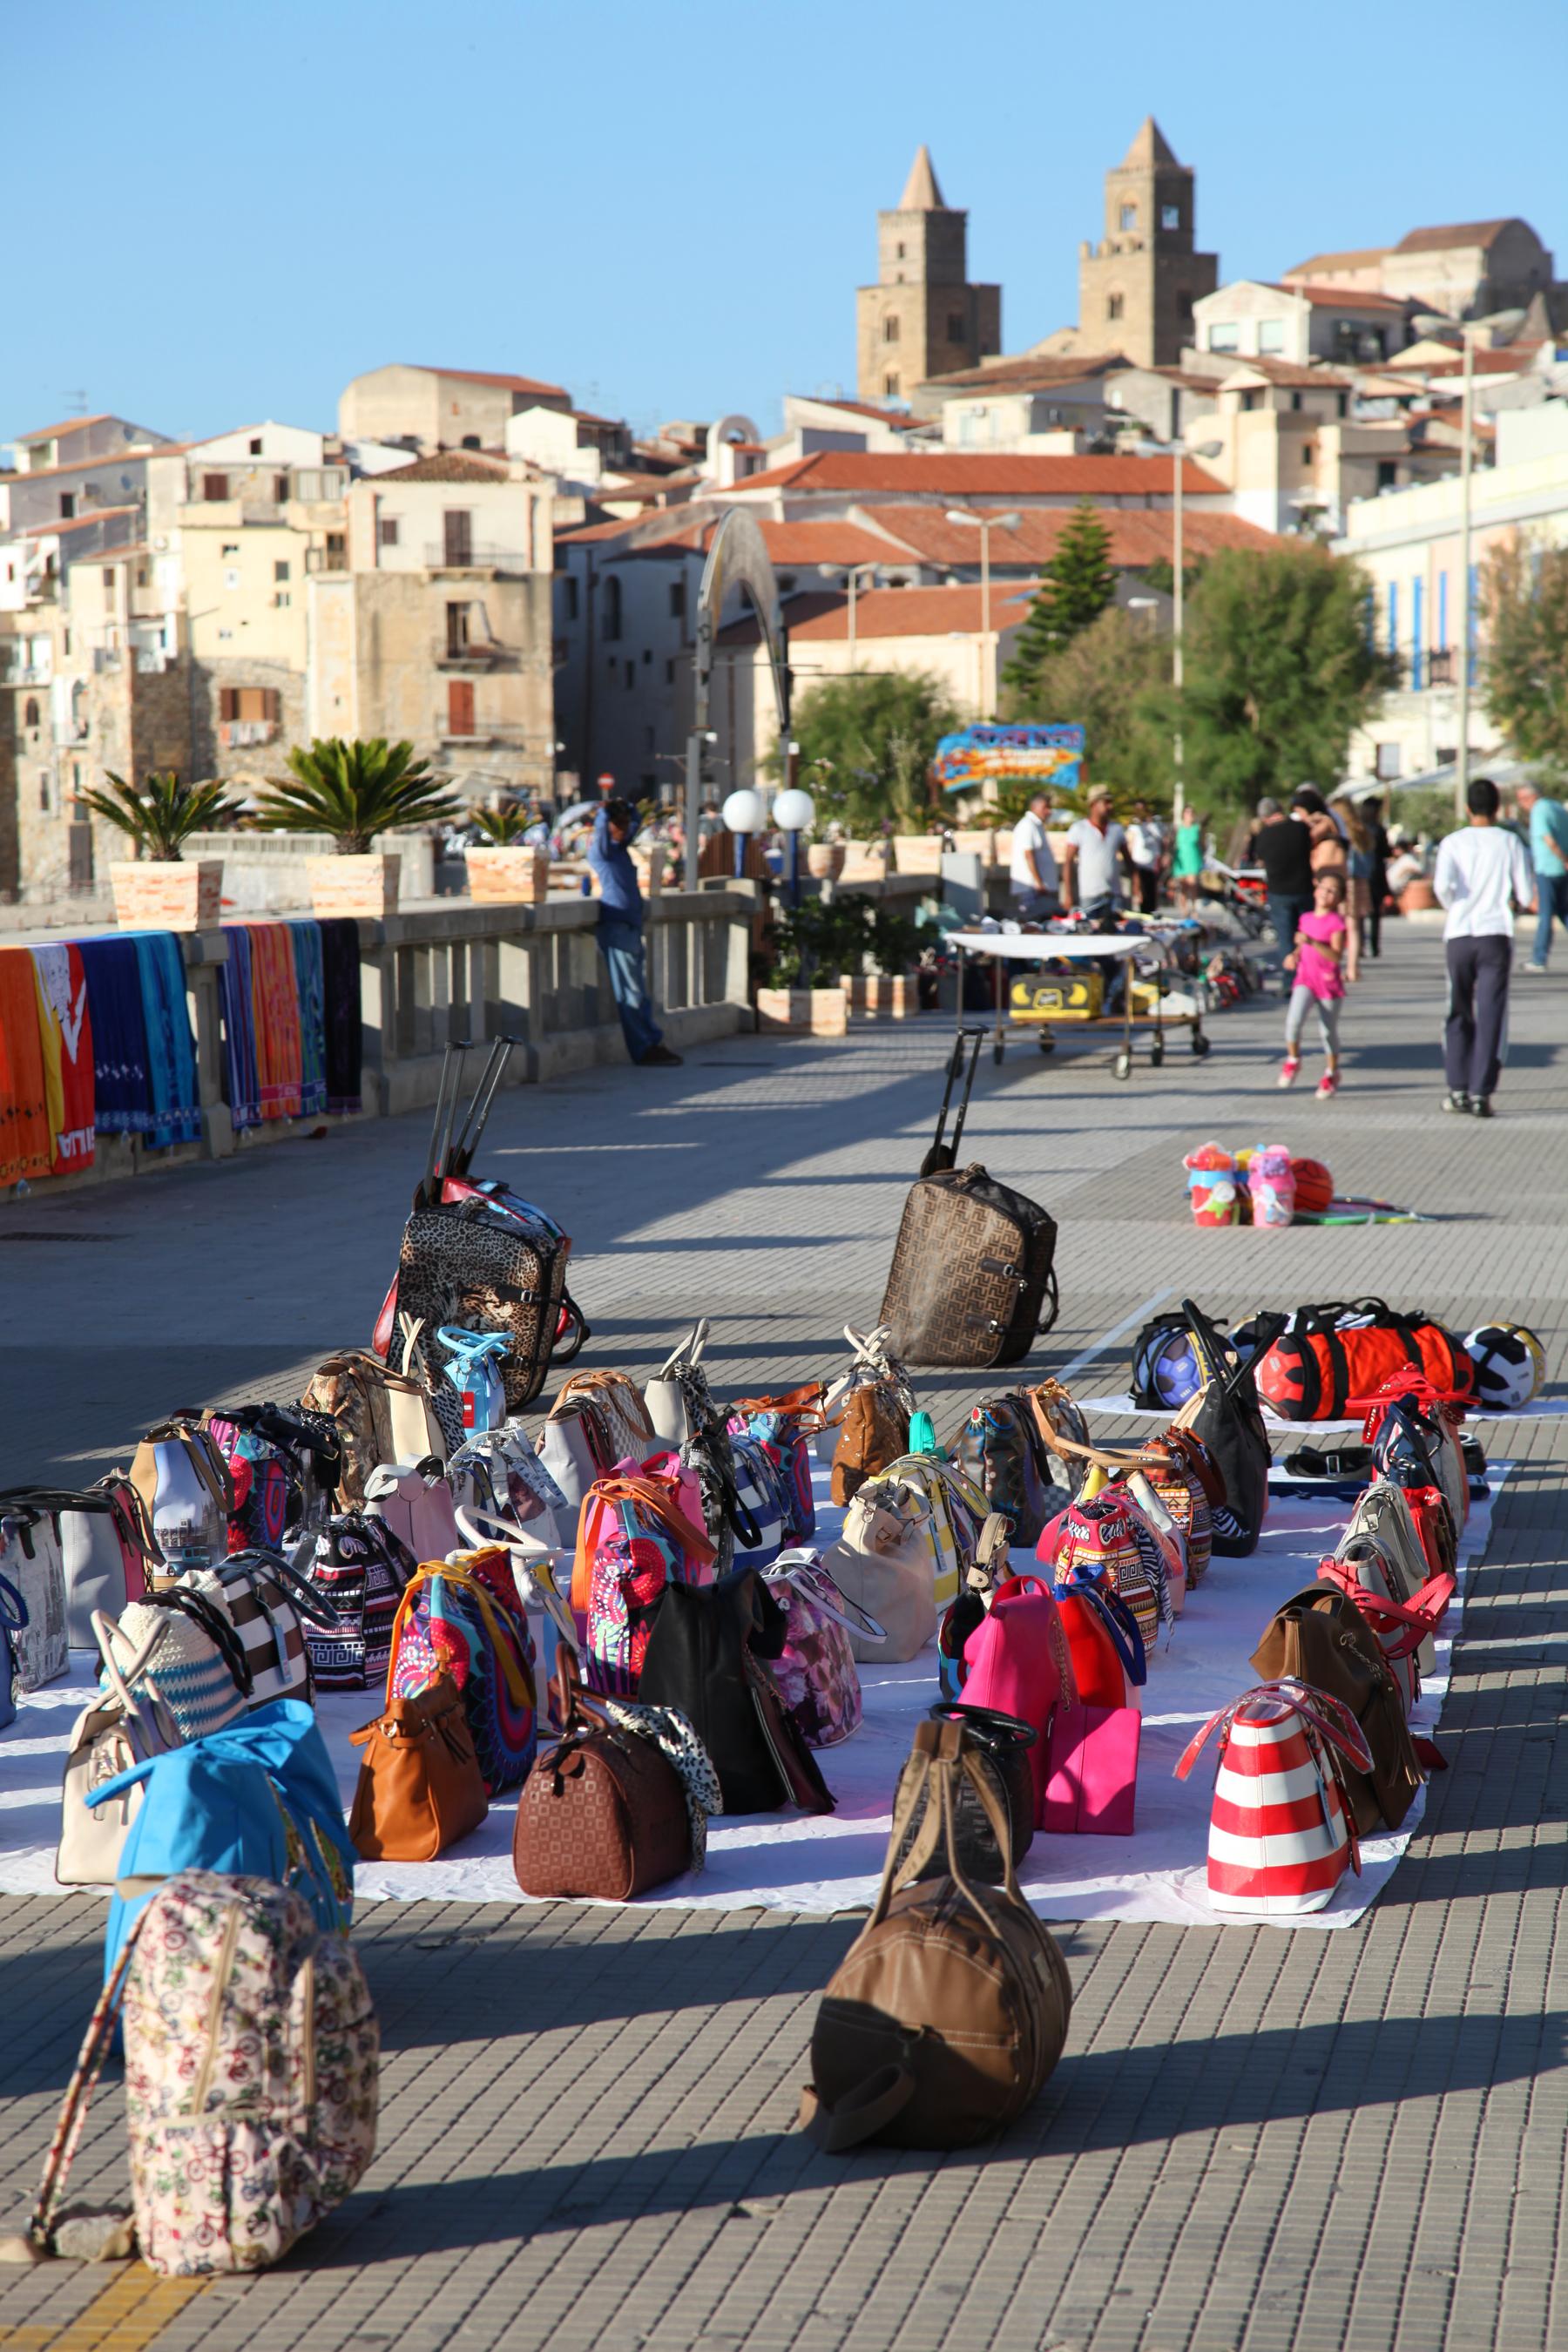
[(1084, 947)]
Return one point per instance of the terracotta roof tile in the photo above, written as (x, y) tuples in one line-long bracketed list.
[(889, 613), (502, 382), (1025, 374), (1138, 537), (66, 424), (58, 528), (1321, 266), (951, 474), (448, 466), (1348, 298), (1454, 235)]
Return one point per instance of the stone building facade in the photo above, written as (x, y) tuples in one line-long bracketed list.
[(1137, 283), (923, 318)]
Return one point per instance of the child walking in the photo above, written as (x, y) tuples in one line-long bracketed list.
[(1317, 960)]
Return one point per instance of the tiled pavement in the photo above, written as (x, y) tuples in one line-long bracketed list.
[(1255, 2139)]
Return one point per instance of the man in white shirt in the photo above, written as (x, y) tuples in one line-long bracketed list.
[(1146, 848), (1036, 884), (1095, 860), (1482, 874)]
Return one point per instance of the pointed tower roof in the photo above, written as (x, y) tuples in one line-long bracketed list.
[(1149, 150), (921, 193)]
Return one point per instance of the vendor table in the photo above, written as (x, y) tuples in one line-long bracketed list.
[(1081, 947)]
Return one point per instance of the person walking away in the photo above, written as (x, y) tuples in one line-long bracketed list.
[(1036, 884), (1095, 860), (1361, 856), (1146, 848), (1382, 848), (1317, 960), (1283, 847), (1548, 821), (1482, 874), (1187, 862), (620, 932)]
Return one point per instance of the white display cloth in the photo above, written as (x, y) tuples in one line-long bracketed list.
[(793, 1861)]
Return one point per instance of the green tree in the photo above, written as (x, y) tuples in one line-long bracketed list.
[(1075, 586), (1103, 680), (1280, 670), (866, 742), (354, 791), (1162, 575), (1524, 665)]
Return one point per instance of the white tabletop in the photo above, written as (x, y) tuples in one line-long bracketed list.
[(1029, 947)]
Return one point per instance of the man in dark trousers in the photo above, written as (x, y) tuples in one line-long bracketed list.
[(1482, 876), (1283, 846), (620, 932)]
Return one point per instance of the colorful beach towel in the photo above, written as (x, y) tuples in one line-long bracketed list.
[(310, 988), (234, 1001), (340, 968), (26, 1146), (171, 1050), (123, 1093), (275, 999), (65, 1033)]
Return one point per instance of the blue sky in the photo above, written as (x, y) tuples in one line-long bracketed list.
[(221, 212)]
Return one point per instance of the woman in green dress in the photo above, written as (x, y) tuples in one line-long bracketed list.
[(1188, 862)]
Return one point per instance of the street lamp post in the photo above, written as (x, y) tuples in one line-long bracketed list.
[(851, 574), (794, 812), (1466, 434), (984, 524), (1177, 450), (745, 814)]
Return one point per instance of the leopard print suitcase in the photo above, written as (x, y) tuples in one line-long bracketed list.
[(466, 1263)]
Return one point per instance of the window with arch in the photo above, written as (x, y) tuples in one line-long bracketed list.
[(890, 330), (1113, 306), (890, 387), (1170, 216), (30, 711), (612, 609), (1129, 217)]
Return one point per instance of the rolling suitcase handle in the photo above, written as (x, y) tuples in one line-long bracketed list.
[(943, 1156)]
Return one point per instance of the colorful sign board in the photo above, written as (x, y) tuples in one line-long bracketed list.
[(976, 756)]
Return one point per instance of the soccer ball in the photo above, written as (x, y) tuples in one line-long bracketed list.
[(1510, 1364), (1170, 1367)]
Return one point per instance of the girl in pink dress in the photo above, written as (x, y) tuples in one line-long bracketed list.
[(1317, 960)]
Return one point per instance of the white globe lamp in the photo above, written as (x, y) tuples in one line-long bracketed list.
[(794, 810)]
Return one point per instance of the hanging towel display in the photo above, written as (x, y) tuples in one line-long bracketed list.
[(275, 996), (65, 1030), (233, 986), (310, 991), (340, 968), (176, 1114), (122, 1097), (26, 1147)]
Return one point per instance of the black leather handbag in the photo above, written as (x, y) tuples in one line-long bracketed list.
[(705, 1655), (1000, 1744)]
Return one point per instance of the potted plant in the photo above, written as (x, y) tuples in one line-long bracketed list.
[(813, 945), (160, 888), (894, 952), (503, 866), (354, 792)]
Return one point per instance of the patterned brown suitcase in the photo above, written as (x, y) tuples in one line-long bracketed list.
[(972, 1281)]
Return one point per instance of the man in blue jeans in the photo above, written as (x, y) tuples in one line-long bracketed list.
[(620, 933), (1548, 823)]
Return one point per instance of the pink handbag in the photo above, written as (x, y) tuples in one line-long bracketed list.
[(689, 1499), (416, 1502), (1092, 1770), (1019, 1663)]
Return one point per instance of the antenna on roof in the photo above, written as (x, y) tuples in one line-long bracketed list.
[(77, 404)]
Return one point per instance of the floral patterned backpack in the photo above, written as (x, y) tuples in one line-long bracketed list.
[(815, 1670), (252, 2076)]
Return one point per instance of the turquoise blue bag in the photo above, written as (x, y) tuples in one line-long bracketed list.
[(256, 1799)]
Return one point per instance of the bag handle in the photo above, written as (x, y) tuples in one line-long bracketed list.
[(690, 1348), (863, 2111), (804, 1570), (1327, 1714), (216, 1625), (289, 1582), (84, 2078), (10, 1599), (1423, 1612), (106, 1631), (486, 1529), (484, 1599)]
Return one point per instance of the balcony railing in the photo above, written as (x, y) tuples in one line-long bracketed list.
[(483, 730), (479, 654), (476, 558)]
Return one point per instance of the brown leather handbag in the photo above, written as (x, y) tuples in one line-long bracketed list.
[(420, 1786), (873, 1433), (952, 2007), (1319, 1637), (602, 1813)]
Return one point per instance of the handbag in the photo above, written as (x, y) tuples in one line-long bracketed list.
[(1280, 1830), (815, 1671), (619, 1409), (198, 1668), (420, 1787), (463, 1618), (1091, 1773), (681, 1408), (1000, 1448), (1003, 1745), (602, 1815), (187, 1490), (380, 1416), (1382, 1517), (108, 1737), (1402, 1625), (985, 1574), (1020, 1665), (885, 1562), (1415, 1440), (470, 1364), (575, 1447), (633, 1540), (415, 1500), (105, 1543), (1319, 1637), (760, 1490), (31, 1561), (270, 1605), (704, 1658), (13, 1618), (497, 1471), (950, 2008), (360, 1569), (1106, 1542), (958, 1512), (788, 1423), (870, 1406)]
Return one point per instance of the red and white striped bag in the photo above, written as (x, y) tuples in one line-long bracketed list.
[(1281, 1832)]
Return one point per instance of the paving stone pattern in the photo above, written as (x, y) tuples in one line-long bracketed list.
[(1257, 2139)]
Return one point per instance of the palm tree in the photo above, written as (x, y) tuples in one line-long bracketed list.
[(501, 828), (354, 790), (160, 814)]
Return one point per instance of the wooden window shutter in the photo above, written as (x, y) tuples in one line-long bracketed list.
[(460, 705), (227, 703), (274, 704)]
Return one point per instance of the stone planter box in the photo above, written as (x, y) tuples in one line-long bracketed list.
[(917, 853), (825, 859), (1417, 898), (167, 894), (875, 992), (822, 1011), (511, 872), (362, 885)]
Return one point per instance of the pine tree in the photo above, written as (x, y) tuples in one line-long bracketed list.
[(1075, 586)]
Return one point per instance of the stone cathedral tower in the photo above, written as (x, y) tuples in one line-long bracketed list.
[(921, 318), (1137, 286)]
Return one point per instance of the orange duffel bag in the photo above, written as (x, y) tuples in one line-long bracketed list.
[(1329, 1356)]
